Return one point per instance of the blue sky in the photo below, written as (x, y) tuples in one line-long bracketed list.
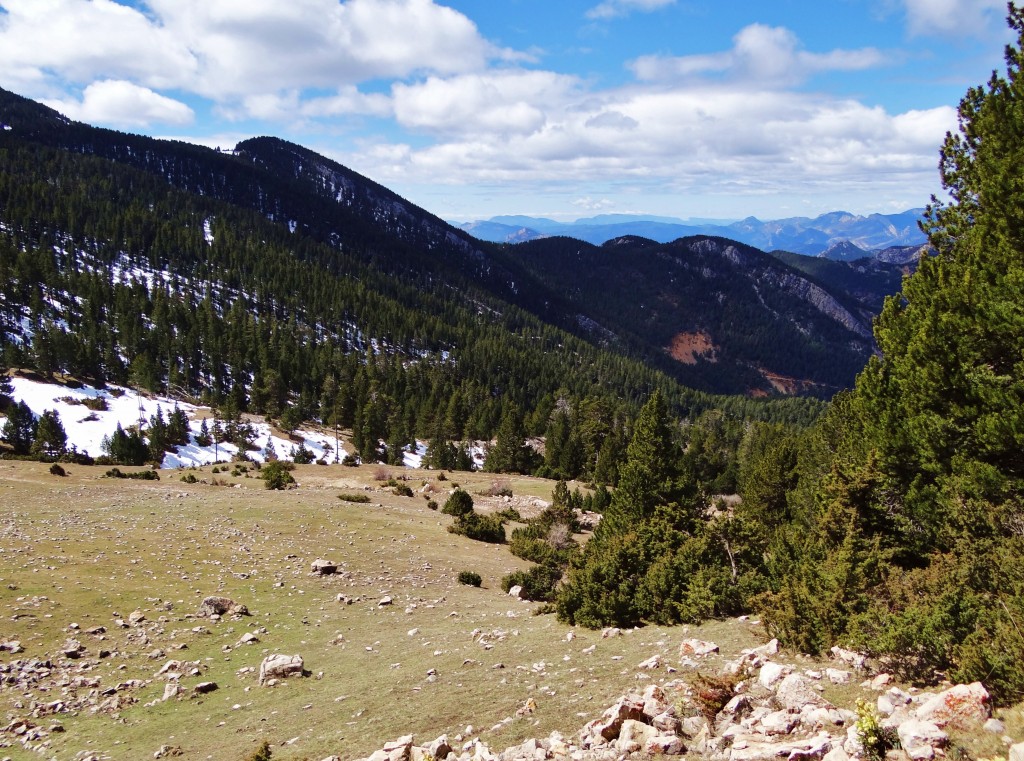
[(558, 108)]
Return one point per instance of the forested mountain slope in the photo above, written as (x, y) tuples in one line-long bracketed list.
[(336, 220), (215, 287)]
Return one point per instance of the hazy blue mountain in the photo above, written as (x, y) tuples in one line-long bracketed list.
[(836, 235)]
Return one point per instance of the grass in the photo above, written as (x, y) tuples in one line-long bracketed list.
[(98, 549), (86, 549)]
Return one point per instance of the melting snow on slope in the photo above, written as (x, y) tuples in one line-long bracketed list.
[(86, 428)]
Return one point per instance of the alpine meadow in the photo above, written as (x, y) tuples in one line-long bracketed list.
[(292, 468)]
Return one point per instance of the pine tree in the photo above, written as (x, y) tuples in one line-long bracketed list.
[(50, 438), (510, 453), (20, 428)]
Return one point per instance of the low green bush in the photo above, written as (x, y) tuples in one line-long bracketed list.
[(470, 579)]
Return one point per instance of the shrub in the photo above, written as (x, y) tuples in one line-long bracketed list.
[(402, 490), (381, 474), (483, 528), (459, 503), (497, 489), (359, 498), (538, 583), (711, 693), (190, 478), (350, 461), (432, 504), (875, 740), (277, 475), (262, 753), (144, 475), (57, 470), (510, 514), (442, 477), (470, 579)]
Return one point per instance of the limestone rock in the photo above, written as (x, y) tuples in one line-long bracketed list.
[(797, 691), (322, 567), (219, 606), (606, 729), (960, 706), (857, 660), (280, 667), (634, 735), (920, 739), (772, 673), (696, 648)]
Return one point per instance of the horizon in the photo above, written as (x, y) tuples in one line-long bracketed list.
[(566, 111)]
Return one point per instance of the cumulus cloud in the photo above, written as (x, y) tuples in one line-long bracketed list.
[(614, 8), (952, 17), (501, 102), (687, 140), (760, 54), (243, 54), (123, 104)]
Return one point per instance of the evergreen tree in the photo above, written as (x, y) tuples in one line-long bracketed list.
[(126, 448), (511, 453), (6, 389), (20, 428), (50, 438)]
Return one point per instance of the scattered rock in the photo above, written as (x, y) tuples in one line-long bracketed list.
[(960, 706), (696, 648), (280, 667), (322, 567), (219, 606), (920, 739)]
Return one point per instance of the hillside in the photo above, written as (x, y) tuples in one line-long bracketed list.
[(250, 230)]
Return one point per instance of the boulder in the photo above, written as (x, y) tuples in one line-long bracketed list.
[(400, 749), (280, 667), (606, 729), (634, 735), (215, 605), (961, 706), (516, 591), (772, 673), (322, 567), (837, 676), (857, 660), (1016, 752), (920, 739), (696, 648), (796, 691)]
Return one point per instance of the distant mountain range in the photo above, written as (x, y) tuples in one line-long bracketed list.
[(836, 235)]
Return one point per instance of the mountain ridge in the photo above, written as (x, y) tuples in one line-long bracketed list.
[(823, 235)]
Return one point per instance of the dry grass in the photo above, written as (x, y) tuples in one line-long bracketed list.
[(87, 550), (97, 549)]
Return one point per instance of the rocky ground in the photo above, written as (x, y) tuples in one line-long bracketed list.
[(172, 619), (758, 707)]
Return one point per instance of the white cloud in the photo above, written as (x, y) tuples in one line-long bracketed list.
[(696, 139), (615, 8), (503, 102), (122, 104), (243, 54), (83, 41), (760, 54), (952, 17), (593, 204)]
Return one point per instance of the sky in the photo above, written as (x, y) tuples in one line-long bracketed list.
[(554, 108)]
